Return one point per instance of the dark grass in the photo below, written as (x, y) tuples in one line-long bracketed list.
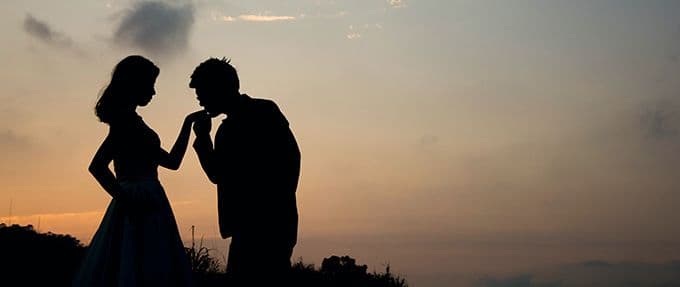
[(31, 258)]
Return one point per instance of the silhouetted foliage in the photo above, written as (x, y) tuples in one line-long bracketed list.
[(343, 272), (201, 261), (334, 272), (37, 259), (29, 258), (205, 268)]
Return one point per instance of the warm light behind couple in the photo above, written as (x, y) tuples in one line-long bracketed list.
[(254, 161)]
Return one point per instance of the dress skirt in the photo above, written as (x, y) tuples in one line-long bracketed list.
[(137, 243)]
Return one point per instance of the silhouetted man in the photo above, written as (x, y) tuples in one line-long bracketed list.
[(255, 163)]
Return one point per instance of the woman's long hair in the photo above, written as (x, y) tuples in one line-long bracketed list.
[(127, 80)]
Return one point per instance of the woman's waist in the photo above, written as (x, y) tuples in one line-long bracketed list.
[(137, 178), (137, 173), (141, 185)]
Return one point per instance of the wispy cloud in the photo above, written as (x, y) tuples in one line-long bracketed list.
[(317, 15), (10, 141), (357, 32), (157, 28), (595, 273), (659, 121), (80, 224), (265, 18), (228, 19), (255, 18), (428, 140), (268, 17), (30, 218), (397, 3), (353, 34), (524, 280), (42, 31)]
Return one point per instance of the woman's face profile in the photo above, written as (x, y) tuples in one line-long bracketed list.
[(146, 92)]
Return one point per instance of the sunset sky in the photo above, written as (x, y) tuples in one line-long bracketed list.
[(454, 140)]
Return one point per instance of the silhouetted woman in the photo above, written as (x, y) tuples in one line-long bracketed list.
[(137, 243)]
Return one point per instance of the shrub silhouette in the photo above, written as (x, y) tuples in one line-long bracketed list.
[(342, 271), (29, 258), (200, 260), (205, 268)]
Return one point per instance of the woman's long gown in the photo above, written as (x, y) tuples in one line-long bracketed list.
[(137, 242)]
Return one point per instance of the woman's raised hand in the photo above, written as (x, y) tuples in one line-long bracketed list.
[(195, 116)]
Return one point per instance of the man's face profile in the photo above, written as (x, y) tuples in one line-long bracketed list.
[(207, 98)]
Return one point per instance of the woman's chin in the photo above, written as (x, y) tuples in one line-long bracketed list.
[(144, 104)]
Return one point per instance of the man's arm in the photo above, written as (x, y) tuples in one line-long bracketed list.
[(283, 147), (204, 148)]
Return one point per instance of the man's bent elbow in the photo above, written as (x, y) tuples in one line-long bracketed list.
[(94, 168), (174, 166)]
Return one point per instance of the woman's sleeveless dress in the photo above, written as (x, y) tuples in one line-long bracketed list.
[(137, 242)]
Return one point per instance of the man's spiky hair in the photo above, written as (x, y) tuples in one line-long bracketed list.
[(215, 72)]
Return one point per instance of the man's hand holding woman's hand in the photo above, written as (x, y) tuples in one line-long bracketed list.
[(197, 115), (202, 122)]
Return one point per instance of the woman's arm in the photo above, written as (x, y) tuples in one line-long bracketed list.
[(99, 167), (173, 159)]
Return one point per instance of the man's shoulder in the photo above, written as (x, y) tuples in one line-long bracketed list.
[(264, 104), (267, 112)]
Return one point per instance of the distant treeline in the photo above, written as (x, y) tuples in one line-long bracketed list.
[(30, 258)]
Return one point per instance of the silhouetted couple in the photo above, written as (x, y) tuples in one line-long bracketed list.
[(254, 161)]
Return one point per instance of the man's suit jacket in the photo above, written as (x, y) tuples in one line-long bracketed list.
[(256, 166)]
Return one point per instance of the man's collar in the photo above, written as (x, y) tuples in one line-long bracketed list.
[(242, 102)]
